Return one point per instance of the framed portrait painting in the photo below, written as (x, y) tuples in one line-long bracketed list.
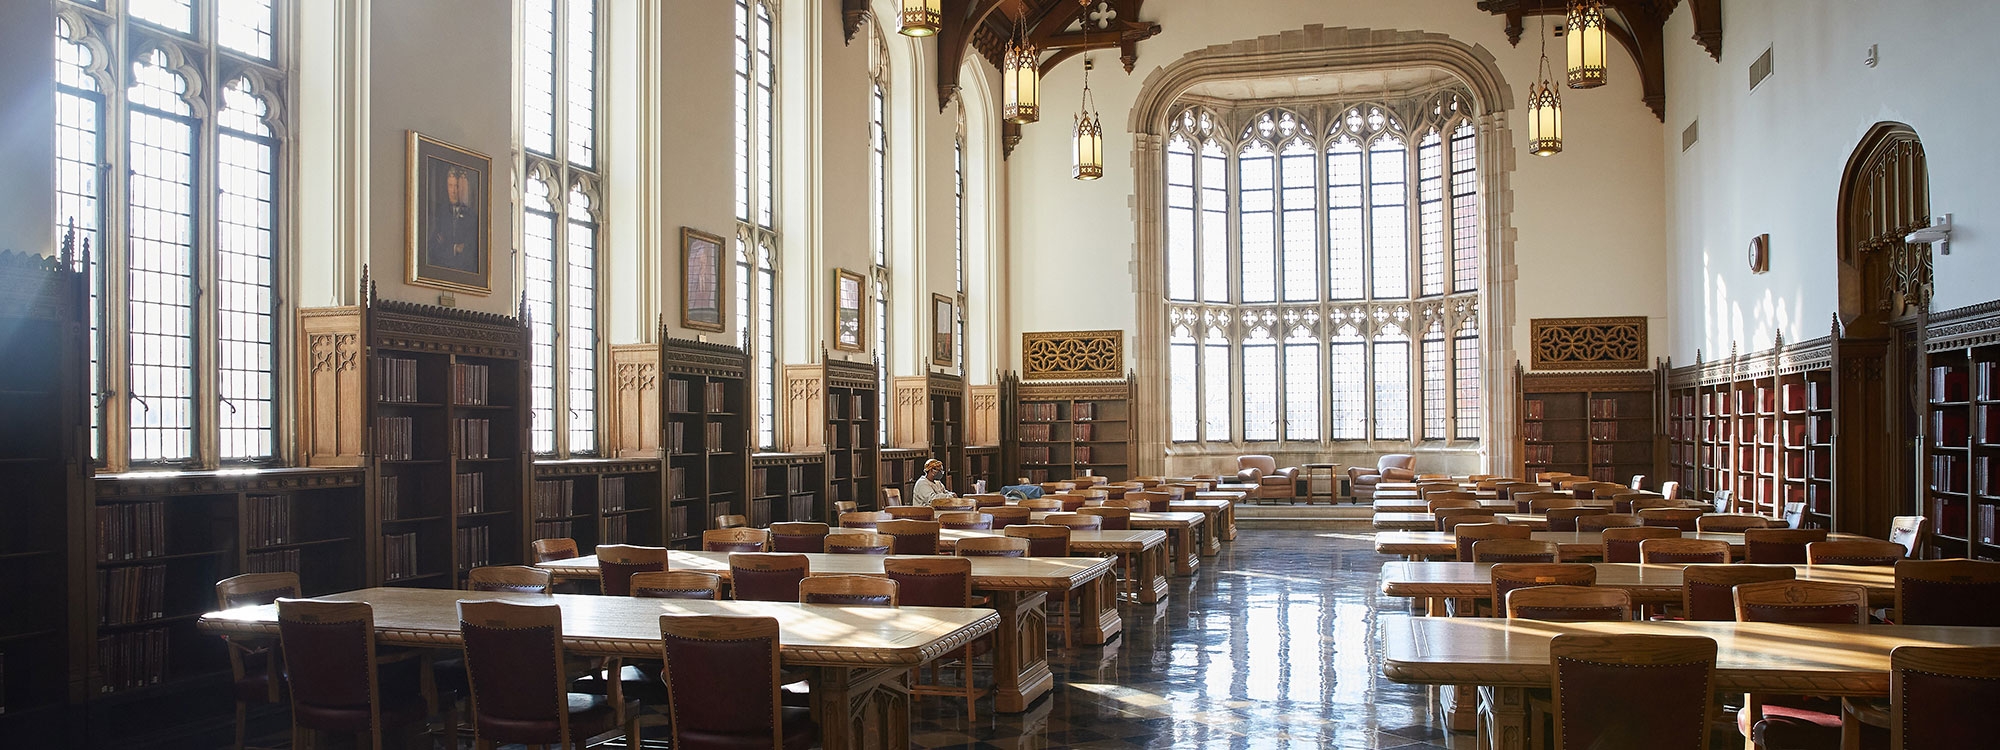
[(450, 199), (849, 305), (943, 330), (701, 280)]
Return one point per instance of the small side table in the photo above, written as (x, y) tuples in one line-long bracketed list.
[(1323, 480)]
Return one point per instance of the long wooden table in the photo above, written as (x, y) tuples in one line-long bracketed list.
[(1419, 544), (1143, 553), (1019, 588), (1511, 655), (1187, 535), (1648, 584), (859, 657), (1413, 504), (1221, 510), (1416, 521)]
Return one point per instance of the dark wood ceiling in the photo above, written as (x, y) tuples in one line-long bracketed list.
[(1638, 25)]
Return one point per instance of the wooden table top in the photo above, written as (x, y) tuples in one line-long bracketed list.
[(1580, 542), (1204, 500), (988, 573), (1655, 582), (1152, 520), (1750, 656), (1425, 521), (1135, 540), (809, 634)]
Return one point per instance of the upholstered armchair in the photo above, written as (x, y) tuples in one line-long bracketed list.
[(1272, 482), (1395, 467)]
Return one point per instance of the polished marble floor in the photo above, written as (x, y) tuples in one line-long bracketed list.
[(1272, 646)]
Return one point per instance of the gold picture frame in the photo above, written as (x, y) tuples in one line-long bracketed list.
[(449, 207), (944, 331), (704, 307), (850, 311)]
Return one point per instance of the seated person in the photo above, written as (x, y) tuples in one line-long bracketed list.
[(930, 486)]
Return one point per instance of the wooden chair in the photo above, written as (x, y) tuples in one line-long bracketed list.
[(1943, 698), (1569, 604), (1451, 521), (859, 543), (1684, 519), (912, 537), (942, 504), (1600, 679), (1470, 533), (1543, 502), (1565, 519), (1506, 577), (731, 521), (515, 578), (1913, 532), (987, 499), (722, 684), (1132, 504), (798, 536), (1049, 504), (1621, 544), (767, 576), (1670, 490), (256, 668), (1854, 552), (1441, 503), (1683, 551), (341, 683), (1708, 592), (1044, 540), (1453, 494), (1644, 503), (991, 546), (677, 584), (863, 519), (1779, 546), (506, 644), (891, 498), (965, 519), (912, 512), (1724, 501), (1007, 515), (1076, 521), (549, 550), (1156, 501), (1948, 592), (1114, 518), (1792, 720), (1605, 521), (941, 582), (848, 591), (1514, 551), (737, 539), (1070, 500), (1731, 522), (844, 506), (1638, 482), (617, 562)]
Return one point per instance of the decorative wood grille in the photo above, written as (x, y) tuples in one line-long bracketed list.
[(1590, 343), (1073, 355)]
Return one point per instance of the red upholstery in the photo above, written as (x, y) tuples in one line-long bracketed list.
[(932, 589), (1050, 546), (1688, 558), (517, 691), (1510, 576), (848, 600), (766, 577), (724, 694), (1823, 614), (1623, 547), (1564, 519), (1570, 614), (1710, 601), (1947, 711), (331, 663), (1779, 546), (1925, 602), (798, 542), (1633, 706), (912, 537), (718, 546)]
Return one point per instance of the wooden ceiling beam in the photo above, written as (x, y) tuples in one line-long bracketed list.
[(984, 27), (1639, 26), (961, 19), (1708, 25)]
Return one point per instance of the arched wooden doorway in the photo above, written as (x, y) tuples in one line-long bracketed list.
[(1885, 289)]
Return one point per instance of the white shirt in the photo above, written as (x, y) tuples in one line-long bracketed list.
[(925, 490)]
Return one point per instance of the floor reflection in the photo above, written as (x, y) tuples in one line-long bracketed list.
[(1272, 646)]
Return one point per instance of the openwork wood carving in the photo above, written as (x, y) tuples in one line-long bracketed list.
[(1070, 355), (1590, 343)]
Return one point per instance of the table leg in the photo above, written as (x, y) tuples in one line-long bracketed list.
[(1205, 536), (1503, 718), (1098, 604), (1151, 577), (1187, 556), (862, 709), (1228, 525), (1021, 650)]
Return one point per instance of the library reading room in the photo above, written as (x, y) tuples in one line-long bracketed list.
[(894, 374)]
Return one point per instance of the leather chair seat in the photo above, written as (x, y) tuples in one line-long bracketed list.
[(402, 703), (589, 715), (255, 687), (799, 733), (1803, 722)]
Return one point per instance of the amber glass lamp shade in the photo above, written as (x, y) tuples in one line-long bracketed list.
[(921, 18), (1585, 40), (1545, 120)]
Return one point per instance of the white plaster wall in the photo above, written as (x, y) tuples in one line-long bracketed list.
[(27, 130), (1603, 257), (1770, 160)]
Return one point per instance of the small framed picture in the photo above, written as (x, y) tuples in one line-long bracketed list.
[(701, 280), (943, 331), (449, 199), (850, 319)]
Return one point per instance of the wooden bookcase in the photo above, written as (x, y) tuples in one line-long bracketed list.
[(596, 501), (1599, 425), (901, 467), (1759, 426), (45, 466), (853, 435), (1063, 430), (706, 435), (946, 420), (983, 464), (786, 487), (447, 416), (1962, 448)]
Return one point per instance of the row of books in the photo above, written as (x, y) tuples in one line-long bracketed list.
[(392, 503), (844, 437), (1949, 383), (1947, 473), (399, 556), (1082, 454), (1034, 455), (677, 521), (469, 385), (677, 482), (132, 660), (1084, 432), (1531, 431), (1604, 474), (472, 438), (611, 494), (801, 506), (677, 438), (1036, 476), (473, 547), (760, 511), (468, 494), (617, 529), (131, 594), (1540, 455), (1603, 454), (393, 440), (1040, 412), (553, 530), (1604, 430), (270, 519), (275, 561), (849, 406), (715, 397), (1533, 409), (131, 531), (553, 499), (396, 380), (1604, 408), (760, 480), (1035, 432)]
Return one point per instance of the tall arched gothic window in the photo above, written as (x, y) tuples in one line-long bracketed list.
[(1323, 272), (757, 248), (560, 222), (183, 217)]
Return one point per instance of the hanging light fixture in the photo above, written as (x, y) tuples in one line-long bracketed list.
[(1021, 78), (1586, 44), (1089, 163), (921, 18), (1545, 115)]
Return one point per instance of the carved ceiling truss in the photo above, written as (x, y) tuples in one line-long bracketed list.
[(1638, 25)]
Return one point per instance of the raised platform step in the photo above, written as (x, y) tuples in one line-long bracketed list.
[(1303, 516)]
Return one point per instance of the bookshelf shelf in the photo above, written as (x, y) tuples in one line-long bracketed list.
[(1595, 424), (1060, 430), (1758, 427), (706, 390)]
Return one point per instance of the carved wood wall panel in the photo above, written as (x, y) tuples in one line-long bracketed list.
[(1589, 343), (331, 387), (982, 415), (911, 411), (634, 429), (1073, 355), (805, 409)]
